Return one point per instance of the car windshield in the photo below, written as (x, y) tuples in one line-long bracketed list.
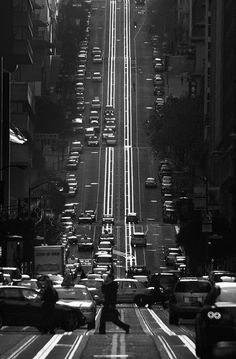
[(92, 283), (227, 295), (167, 281), (73, 293), (193, 287)]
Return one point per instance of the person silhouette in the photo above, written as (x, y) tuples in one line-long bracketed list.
[(109, 311)]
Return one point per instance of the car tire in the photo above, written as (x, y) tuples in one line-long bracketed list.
[(140, 301), (91, 325), (173, 319), (71, 322)]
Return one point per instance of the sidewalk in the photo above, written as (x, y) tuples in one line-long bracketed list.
[(177, 75)]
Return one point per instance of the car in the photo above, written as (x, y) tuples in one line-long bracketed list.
[(166, 182), (141, 278), (96, 76), (108, 219), (218, 275), (159, 91), (107, 237), (71, 165), (89, 132), (94, 285), (150, 182), (80, 106), (110, 124), (93, 141), (97, 59), (102, 258), (96, 104), (107, 132), (138, 239), (71, 192), (215, 322), (133, 291), (22, 306), (76, 146), (109, 111), (91, 213), (78, 297), (132, 217), (85, 243), (85, 218), (74, 155), (111, 140), (105, 246), (187, 298), (96, 51)]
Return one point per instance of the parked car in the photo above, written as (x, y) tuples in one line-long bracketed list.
[(22, 306), (96, 76), (187, 298), (150, 182), (216, 321)]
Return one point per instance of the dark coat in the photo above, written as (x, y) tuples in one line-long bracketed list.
[(49, 297), (110, 293)]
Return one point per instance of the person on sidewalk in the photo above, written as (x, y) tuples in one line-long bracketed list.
[(109, 311)]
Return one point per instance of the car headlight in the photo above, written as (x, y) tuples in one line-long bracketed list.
[(213, 315)]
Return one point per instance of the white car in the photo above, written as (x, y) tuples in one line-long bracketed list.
[(97, 77), (150, 182), (97, 59)]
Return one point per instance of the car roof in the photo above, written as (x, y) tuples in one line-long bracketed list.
[(195, 279), (126, 280), (81, 286), (226, 284)]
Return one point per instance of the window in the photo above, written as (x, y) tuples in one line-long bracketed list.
[(11, 293), (129, 285)]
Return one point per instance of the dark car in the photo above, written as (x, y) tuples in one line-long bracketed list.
[(23, 306), (216, 321)]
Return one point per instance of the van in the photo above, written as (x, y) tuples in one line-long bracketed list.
[(138, 239)]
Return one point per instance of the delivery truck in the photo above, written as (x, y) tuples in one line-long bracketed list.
[(49, 259)]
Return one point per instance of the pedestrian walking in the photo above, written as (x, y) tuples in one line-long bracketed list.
[(49, 298), (109, 311)]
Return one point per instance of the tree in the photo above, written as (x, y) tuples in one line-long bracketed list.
[(49, 116), (180, 130)]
